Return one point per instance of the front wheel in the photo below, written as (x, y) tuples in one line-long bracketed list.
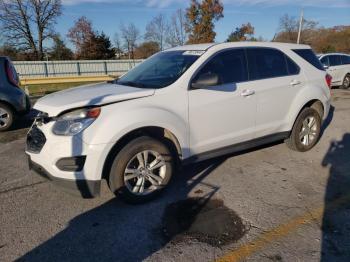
[(141, 170), (346, 82), (306, 131)]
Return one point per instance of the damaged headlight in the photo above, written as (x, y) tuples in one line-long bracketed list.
[(75, 121)]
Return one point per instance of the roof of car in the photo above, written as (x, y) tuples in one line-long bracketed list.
[(320, 55), (204, 47)]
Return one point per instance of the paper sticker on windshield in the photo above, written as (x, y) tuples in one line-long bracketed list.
[(194, 52)]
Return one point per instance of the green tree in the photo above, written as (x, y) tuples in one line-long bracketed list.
[(243, 33), (97, 47), (200, 20), (104, 48), (60, 51)]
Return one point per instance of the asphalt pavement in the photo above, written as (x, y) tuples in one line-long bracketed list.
[(266, 204)]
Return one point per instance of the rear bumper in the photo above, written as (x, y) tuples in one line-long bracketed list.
[(82, 188)]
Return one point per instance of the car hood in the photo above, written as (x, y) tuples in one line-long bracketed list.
[(89, 95)]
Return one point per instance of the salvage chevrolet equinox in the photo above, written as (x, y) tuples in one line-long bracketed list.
[(182, 105)]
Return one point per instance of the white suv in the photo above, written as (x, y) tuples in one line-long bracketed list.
[(338, 66), (182, 105)]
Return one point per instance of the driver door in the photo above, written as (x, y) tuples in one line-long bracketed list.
[(222, 114)]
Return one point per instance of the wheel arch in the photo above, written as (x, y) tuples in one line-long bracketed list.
[(160, 133), (315, 104), (9, 105), (347, 73)]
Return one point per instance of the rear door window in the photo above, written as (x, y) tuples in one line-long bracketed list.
[(229, 65), (309, 56), (266, 63), (334, 60)]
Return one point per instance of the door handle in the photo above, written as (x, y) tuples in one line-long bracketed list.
[(295, 82), (247, 92)]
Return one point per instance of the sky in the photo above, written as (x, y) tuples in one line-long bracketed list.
[(108, 15)]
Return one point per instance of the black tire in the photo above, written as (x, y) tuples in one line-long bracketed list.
[(295, 142), (126, 157), (346, 82), (6, 112)]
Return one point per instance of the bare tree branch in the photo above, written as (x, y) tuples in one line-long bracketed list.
[(26, 24), (156, 30), (130, 35), (176, 33)]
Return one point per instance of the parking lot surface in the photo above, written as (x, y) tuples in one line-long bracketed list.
[(267, 204)]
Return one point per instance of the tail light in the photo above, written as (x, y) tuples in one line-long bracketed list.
[(329, 80), (11, 74)]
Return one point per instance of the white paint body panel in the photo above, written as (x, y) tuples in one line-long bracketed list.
[(201, 120)]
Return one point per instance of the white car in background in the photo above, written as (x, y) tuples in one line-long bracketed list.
[(338, 66), (182, 105)]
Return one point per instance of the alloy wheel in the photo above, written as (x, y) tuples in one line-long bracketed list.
[(145, 172), (4, 118), (308, 132)]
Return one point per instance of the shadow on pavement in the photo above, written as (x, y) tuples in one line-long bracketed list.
[(336, 222), (116, 231), (328, 120)]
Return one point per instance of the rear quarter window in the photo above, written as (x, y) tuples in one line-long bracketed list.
[(309, 56)]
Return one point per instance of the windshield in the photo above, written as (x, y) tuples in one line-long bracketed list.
[(160, 70)]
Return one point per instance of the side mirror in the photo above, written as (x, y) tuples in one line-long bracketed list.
[(206, 80), (325, 66)]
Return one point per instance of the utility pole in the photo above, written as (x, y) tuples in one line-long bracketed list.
[(300, 25)]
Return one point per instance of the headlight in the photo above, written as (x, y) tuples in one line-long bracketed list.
[(75, 121)]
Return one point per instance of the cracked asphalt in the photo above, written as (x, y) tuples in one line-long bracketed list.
[(293, 207)]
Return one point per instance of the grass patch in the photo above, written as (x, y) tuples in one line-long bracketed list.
[(45, 89)]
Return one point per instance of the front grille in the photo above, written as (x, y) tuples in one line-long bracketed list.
[(35, 140)]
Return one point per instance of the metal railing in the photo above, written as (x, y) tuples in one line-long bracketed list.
[(38, 69)]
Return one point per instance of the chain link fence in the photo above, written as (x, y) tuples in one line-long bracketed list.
[(37, 69)]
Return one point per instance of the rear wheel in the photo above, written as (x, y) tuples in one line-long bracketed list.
[(306, 131), (346, 82), (6, 117), (141, 170)]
